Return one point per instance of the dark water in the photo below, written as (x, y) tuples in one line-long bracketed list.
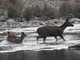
[(42, 55)]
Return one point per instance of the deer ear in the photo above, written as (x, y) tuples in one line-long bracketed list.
[(67, 20)]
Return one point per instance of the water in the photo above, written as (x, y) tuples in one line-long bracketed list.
[(31, 50), (42, 55)]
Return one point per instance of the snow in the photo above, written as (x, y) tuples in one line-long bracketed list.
[(30, 42)]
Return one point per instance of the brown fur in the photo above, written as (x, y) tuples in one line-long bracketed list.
[(11, 37), (52, 31), (15, 39)]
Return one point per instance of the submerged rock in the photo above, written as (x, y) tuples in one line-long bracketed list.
[(75, 47)]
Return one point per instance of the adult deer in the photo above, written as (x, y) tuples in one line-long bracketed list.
[(15, 39), (52, 31)]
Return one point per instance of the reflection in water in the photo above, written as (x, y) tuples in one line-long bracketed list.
[(42, 55), (20, 55), (51, 55), (12, 56)]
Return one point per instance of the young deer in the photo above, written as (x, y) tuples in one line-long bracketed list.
[(16, 39), (52, 31)]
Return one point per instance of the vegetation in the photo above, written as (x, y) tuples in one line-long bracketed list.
[(65, 9), (76, 10), (28, 13), (15, 8), (36, 11), (12, 7), (13, 13), (48, 11)]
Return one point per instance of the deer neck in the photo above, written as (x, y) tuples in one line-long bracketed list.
[(22, 37), (63, 26)]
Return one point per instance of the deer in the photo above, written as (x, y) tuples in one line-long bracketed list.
[(45, 31), (15, 39)]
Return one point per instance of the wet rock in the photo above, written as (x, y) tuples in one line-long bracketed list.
[(75, 47)]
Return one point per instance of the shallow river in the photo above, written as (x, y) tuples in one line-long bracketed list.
[(31, 50), (42, 55)]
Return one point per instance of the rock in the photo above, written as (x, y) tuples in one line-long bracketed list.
[(75, 47)]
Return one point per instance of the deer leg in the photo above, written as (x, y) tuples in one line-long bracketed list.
[(56, 39), (62, 37), (44, 39), (38, 38)]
